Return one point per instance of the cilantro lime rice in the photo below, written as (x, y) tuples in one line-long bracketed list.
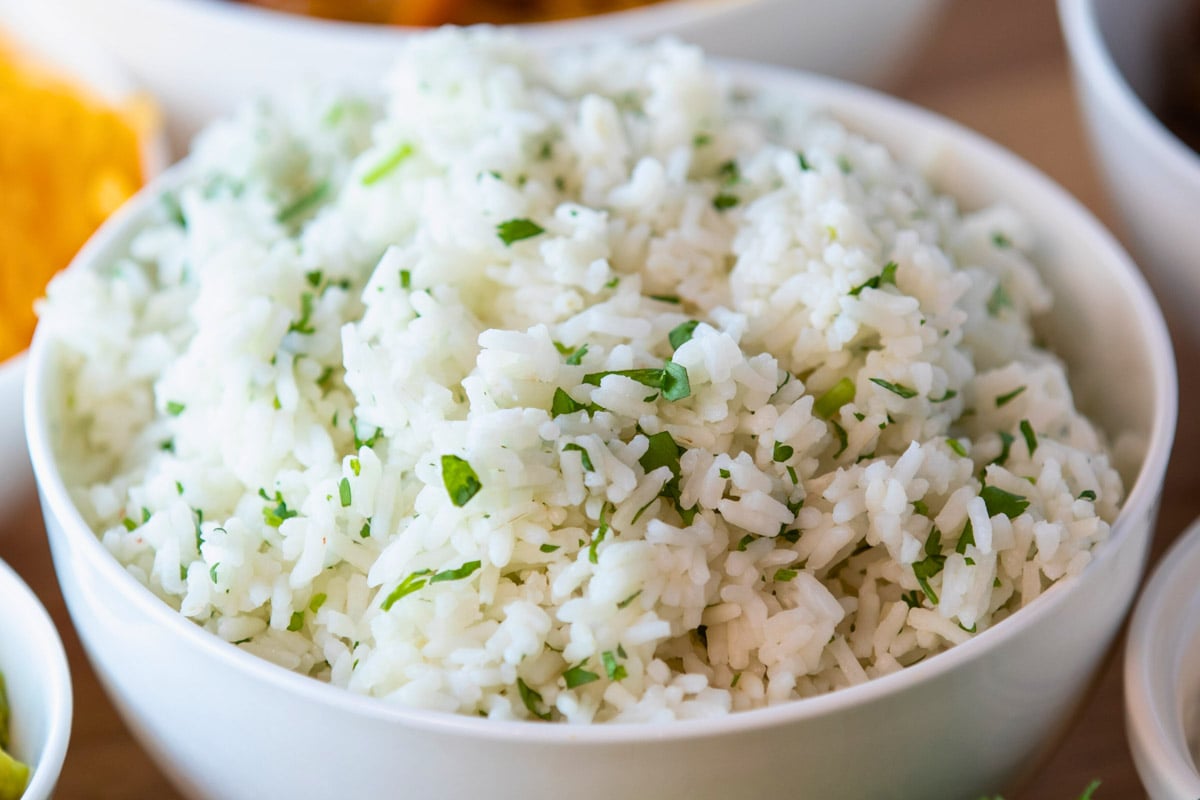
[(574, 387)]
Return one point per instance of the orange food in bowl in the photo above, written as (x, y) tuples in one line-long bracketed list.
[(438, 12), (67, 161)]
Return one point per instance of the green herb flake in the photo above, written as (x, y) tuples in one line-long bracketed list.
[(745, 542), (1001, 241), (675, 384), (785, 575), (296, 622), (804, 165), (365, 531), (549, 548), (625, 603), (956, 446), (791, 536), (737, 676), (701, 140), (1005, 399), (412, 583), (274, 517), (1006, 442), (949, 395), (174, 408), (324, 377), (920, 507), (578, 676), (1090, 790), (178, 488), (724, 473), (318, 600), (465, 571), (356, 466), (601, 532), (999, 501), (843, 440), (729, 173), (666, 298), (405, 279), (783, 452), (344, 492), (886, 276), (387, 164), (615, 671), (304, 325), (1087, 494), (1031, 441), (583, 455), (966, 539), (460, 479), (895, 388), (576, 356), (516, 230), (724, 201), (844, 165), (931, 565), (532, 700), (998, 301), (682, 333), (791, 471), (563, 403), (304, 204)]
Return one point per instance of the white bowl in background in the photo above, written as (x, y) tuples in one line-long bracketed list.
[(225, 724), (1153, 178), (1162, 675), (78, 58), (203, 57), (39, 684)]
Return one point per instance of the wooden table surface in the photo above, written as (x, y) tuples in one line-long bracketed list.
[(998, 67)]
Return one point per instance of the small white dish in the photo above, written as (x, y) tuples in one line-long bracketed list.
[(39, 684), (1153, 178), (1162, 675)]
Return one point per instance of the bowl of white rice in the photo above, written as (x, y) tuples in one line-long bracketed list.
[(598, 423)]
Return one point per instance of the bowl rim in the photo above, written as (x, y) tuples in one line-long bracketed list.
[(1098, 72), (56, 678), (1156, 735), (841, 99), (658, 15)]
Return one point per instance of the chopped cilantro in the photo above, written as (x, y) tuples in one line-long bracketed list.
[(675, 384), (895, 388), (1087, 494), (563, 403), (666, 298), (465, 571), (931, 565), (1001, 241), (365, 531), (296, 622), (304, 325), (724, 201), (1030, 437), (460, 479), (344, 492), (785, 575), (405, 279), (949, 395), (998, 301), (724, 473), (575, 358), (304, 204), (549, 548), (578, 676), (174, 408), (682, 333), (1005, 399), (804, 165), (745, 542), (1006, 441), (387, 164), (843, 440), (783, 451), (318, 600), (920, 508), (729, 173), (356, 466), (274, 517), (601, 532), (956, 446), (583, 455), (515, 230), (885, 277), (615, 671), (412, 583), (999, 501), (966, 539), (532, 700)]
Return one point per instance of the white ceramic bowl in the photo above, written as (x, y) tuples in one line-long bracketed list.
[(39, 684), (172, 46), (1162, 675), (1153, 177), (79, 58), (972, 721)]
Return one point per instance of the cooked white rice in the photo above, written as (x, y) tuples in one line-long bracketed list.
[(334, 408)]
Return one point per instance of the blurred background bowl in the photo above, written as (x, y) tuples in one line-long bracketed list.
[(39, 684), (1162, 675), (1120, 54), (61, 47), (233, 52), (962, 724)]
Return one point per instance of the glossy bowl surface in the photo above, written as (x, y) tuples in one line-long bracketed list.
[(866, 41), (38, 682), (967, 723), (1162, 675), (1153, 178)]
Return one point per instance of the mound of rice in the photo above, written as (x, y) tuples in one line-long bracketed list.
[(580, 387)]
